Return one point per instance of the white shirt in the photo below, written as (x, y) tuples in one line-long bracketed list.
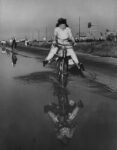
[(63, 35)]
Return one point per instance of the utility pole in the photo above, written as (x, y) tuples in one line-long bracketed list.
[(32, 36), (38, 35), (46, 33), (79, 28)]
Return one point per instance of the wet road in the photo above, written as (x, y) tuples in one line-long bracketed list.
[(26, 88)]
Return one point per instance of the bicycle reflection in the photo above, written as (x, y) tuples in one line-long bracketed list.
[(63, 113)]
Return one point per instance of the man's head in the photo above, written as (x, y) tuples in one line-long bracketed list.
[(62, 23)]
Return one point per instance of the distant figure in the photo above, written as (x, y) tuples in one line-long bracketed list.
[(3, 46), (14, 44), (26, 43)]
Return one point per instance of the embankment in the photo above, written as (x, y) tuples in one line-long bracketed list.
[(103, 49)]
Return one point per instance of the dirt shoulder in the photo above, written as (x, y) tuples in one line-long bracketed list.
[(104, 49)]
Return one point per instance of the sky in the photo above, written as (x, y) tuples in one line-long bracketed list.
[(30, 18)]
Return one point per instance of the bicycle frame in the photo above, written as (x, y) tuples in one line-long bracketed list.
[(62, 62)]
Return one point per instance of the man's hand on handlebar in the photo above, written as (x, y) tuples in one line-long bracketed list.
[(54, 43), (74, 44)]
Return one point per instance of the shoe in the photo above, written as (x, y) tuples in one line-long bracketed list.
[(82, 67), (78, 66), (45, 62)]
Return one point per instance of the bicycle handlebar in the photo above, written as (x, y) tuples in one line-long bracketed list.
[(65, 44), (59, 44)]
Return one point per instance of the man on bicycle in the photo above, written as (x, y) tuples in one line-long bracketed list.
[(62, 35)]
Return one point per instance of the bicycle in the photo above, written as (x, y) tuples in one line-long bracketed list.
[(63, 62)]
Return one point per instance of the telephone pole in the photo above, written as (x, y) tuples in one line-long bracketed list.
[(38, 35), (46, 33), (32, 36), (79, 28)]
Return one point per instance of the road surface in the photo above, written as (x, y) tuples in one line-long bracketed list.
[(26, 88)]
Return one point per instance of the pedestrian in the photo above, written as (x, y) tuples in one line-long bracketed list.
[(14, 44)]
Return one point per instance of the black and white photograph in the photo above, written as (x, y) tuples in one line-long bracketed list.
[(58, 74)]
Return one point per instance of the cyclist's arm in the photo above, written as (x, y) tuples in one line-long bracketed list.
[(55, 37), (71, 36)]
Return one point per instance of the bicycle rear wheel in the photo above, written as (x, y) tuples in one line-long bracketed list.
[(62, 71)]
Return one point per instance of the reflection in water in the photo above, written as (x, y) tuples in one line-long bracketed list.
[(14, 59), (63, 113), (37, 77), (7, 51), (3, 47), (13, 55)]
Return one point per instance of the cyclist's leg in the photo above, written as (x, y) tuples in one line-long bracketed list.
[(52, 52), (73, 55)]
